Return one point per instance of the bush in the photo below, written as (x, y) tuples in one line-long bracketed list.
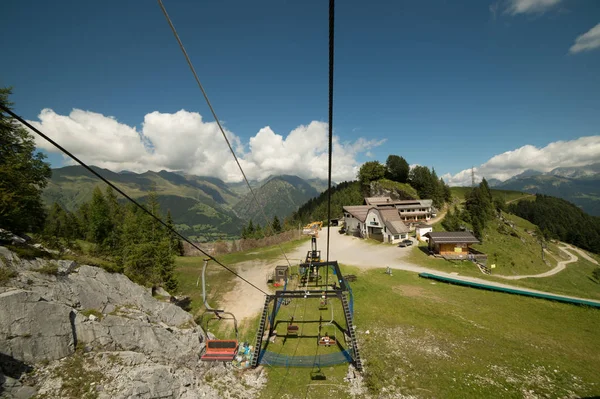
[(28, 252), (50, 268), (6, 274)]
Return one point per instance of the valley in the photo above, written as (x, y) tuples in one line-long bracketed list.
[(203, 208)]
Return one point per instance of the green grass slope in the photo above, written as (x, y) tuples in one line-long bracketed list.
[(508, 195), (434, 340)]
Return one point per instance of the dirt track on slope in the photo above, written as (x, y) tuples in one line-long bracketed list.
[(245, 301), (559, 267)]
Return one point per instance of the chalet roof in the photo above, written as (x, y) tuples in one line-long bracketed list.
[(378, 200), (387, 201), (451, 237), (358, 211), (392, 220), (424, 226)]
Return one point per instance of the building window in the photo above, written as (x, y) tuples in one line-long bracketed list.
[(396, 237)]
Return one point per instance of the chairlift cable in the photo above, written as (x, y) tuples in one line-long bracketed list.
[(189, 62), (172, 230), (331, 55)]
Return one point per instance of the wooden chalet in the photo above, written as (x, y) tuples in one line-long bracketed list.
[(451, 243)]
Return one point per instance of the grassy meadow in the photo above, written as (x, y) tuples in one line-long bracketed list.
[(424, 339)]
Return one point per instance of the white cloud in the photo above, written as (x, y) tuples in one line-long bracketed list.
[(183, 141), (515, 7), (590, 40), (494, 9), (580, 152)]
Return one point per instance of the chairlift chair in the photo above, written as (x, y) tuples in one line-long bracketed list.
[(217, 350)]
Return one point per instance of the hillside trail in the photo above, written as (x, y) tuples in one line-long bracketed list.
[(520, 198), (582, 253), (243, 300), (559, 267), (439, 217)]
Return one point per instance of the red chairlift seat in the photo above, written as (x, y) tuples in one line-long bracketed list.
[(220, 350), (292, 329)]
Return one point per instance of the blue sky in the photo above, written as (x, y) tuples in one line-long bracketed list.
[(446, 84)]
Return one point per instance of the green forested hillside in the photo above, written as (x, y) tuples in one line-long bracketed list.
[(558, 218), (346, 193), (350, 193), (279, 196), (583, 191), (201, 206)]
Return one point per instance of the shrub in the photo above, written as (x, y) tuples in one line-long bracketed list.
[(29, 252), (50, 268), (6, 274)]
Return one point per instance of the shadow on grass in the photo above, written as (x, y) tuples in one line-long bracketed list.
[(425, 250)]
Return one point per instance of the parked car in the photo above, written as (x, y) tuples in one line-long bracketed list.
[(405, 243)]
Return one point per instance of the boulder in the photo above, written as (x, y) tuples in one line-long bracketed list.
[(34, 330), (66, 266)]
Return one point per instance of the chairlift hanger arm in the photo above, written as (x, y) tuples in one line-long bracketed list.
[(208, 307)]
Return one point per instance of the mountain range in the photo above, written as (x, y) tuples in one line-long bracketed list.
[(203, 208), (579, 185)]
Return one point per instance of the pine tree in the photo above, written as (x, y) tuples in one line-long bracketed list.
[(446, 190), (258, 231), (83, 220), (276, 225), (115, 212), (437, 190), (55, 226), (100, 223), (176, 243), (478, 229), (23, 175)]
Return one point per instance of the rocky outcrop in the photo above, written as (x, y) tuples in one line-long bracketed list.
[(73, 324), (159, 342), (395, 193), (34, 330)]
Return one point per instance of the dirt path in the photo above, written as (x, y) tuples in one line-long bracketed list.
[(439, 217), (246, 302), (355, 251), (582, 253), (559, 267), (520, 198)]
